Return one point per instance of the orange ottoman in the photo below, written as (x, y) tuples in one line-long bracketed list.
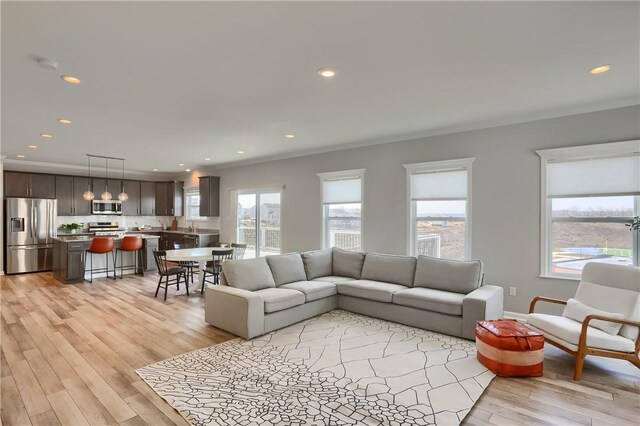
[(509, 348)]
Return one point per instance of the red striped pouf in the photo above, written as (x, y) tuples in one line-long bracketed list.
[(509, 349)]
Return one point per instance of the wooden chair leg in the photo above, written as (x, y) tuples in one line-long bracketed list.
[(186, 284), (577, 373), (158, 289), (166, 286)]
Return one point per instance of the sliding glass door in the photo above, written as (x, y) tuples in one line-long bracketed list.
[(258, 222)]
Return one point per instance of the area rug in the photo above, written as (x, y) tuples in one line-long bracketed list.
[(337, 368)]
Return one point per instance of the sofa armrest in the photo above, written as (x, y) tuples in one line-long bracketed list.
[(483, 303), (237, 311)]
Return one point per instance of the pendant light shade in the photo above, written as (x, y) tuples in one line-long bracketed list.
[(106, 195), (122, 196), (89, 195)]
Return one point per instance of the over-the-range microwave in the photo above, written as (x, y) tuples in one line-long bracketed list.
[(106, 207)]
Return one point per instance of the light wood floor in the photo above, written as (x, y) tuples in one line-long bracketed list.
[(69, 353)]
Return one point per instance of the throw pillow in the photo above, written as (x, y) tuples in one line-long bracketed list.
[(578, 311)]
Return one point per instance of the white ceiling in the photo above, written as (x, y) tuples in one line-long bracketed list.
[(170, 82)]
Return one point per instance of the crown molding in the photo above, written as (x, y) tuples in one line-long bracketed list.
[(43, 167)]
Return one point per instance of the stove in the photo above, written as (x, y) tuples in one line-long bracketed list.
[(106, 229)]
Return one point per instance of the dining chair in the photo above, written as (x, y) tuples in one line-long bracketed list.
[(189, 265), (169, 274), (238, 250), (215, 265)]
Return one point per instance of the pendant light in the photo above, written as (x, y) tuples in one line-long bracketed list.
[(122, 196), (89, 195), (106, 195)]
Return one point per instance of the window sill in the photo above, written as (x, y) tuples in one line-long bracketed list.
[(559, 277)]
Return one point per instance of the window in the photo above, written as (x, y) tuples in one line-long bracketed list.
[(192, 204), (440, 208), (258, 221), (342, 209), (590, 195)]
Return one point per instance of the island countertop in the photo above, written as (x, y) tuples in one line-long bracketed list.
[(88, 237)]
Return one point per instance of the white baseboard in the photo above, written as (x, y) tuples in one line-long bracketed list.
[(516, 316)]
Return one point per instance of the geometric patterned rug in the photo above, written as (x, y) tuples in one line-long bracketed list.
[(337, 368)]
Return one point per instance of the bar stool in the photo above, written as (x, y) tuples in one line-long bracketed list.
[(130, 244), (101, 245)]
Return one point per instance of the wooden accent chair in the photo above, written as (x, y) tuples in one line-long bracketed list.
[(611, 288)]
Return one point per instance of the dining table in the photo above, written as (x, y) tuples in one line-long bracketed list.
[(202, 255)]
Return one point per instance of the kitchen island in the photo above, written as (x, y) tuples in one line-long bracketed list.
[(69, 256)]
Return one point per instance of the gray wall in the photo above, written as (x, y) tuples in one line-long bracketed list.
[(506, 192)]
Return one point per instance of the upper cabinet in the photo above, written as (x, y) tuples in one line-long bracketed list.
[(147, 198), (131, 207), (209, 188), (69, 193), (29, 185), (169, 197)]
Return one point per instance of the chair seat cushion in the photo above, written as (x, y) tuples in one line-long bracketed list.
[(174, 271), (333, 279), (278, 299), (569, 330), (444, 302), (313, 290), (370, 290)]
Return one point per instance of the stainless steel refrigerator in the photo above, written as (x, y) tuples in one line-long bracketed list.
[(30, 229)]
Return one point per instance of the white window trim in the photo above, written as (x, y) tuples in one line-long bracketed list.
[(186, 216), (234, 193), (584, 152), (433, 167), (341, 175)]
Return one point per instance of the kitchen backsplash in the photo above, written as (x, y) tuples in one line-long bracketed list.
[(135, 221)]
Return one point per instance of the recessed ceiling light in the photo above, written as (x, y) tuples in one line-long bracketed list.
[(327, 72), (600, 69), (46, 135), (181, 164), (64, 121), (290, 136), (207, 159), (20, 156), (187, 170), (70, 79), (155, 170), (240, 152), (32, 146)]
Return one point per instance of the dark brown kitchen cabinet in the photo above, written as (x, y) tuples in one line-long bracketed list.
[(131, 207), (113, 186), (29, 185), (69, 193), (169, 198), (147, 198), (209, 188)]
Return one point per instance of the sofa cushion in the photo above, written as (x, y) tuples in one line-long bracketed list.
[(318, 263), (444, 302), (347, 263), (278, 299), (448, 275), (371, 290), (389, 269), (313, 290), (333, 279), (250, 274), (569, 330), (286, 268)]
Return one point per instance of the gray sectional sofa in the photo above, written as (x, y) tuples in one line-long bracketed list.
[(257, 296)]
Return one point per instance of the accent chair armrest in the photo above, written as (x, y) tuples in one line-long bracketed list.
[(485, 302), (237, 311), (588, 318), (544, 299)]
